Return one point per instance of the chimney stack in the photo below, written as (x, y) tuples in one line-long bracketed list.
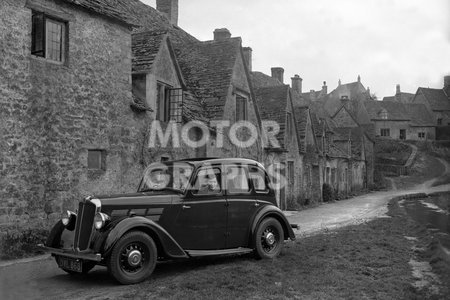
[(345, 101), (278, 73), (248, 57), (297, 83), (339, 82), (221, 34), (398, 90), (447, 85), (169, 8), (312, 95), (324, 88), (359, 78)]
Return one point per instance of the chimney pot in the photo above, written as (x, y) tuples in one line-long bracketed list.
[(297, 83), (359, 78), (278, 73), (397, 90), (248, 57), (324, 88), (169, 8), (221, 34)]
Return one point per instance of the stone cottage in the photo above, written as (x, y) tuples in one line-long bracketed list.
[(275, 104), (438, 103), (82, 83), (66, 123), (402, 121), (357, 141)]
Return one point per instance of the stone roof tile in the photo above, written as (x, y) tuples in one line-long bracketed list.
[(272, 103), (437, 98)]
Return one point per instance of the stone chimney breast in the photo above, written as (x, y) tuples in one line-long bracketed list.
[(169, 8), (278, 73), (221, 34), (297, 83), (248, 57)]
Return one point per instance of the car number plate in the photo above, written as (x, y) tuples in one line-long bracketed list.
[(70, 264)]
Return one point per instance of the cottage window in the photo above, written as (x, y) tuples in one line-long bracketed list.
[(439, 121), (289, 124), (421, 135), (163, 102), (169, 103), (385, 132), (241, 108), (96, 160), (48, 37)]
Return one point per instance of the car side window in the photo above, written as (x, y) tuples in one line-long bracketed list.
[(258, 177), (237, 180), (208, 182)]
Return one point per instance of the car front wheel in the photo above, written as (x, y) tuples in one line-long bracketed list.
[(133, 258), (269, 238)]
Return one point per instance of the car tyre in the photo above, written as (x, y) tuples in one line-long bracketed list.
[(133, 258), (269, 238)]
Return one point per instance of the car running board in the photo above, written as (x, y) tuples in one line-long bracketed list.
[(198, 253)]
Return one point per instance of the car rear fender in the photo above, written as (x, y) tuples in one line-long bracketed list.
[(276, 213), (163, 239)]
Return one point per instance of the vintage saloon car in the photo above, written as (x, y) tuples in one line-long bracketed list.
[(182, 209)]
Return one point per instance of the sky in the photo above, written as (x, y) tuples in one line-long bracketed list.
[(386, 42)]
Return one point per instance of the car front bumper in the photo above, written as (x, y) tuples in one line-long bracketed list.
[(72, 253)]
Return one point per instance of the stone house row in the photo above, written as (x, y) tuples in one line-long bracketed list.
[(82, 83), (424, 115), (317, 148)]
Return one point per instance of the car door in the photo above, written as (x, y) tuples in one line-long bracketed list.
[(200, 222), (242, 205)]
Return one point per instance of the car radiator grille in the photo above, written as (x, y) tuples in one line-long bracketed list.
[(84, 225)]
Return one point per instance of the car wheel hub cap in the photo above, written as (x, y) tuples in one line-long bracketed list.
[(134, 258), (270, 238)]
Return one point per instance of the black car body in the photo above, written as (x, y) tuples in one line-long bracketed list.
[(182, 209)]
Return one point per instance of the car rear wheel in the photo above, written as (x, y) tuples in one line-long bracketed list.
[(133, 258), (269, 238)]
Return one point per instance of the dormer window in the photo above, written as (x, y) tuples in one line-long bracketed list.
[(241, 108), (383, 114)]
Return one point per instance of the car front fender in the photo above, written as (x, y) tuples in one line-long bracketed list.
[(163, 239), (274, 212)]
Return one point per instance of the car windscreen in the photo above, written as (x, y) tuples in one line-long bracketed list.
[(170, 176)]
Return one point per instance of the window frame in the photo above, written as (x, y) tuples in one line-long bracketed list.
[(241, 107), (101, 160), (245, 171), (265, 178), (383, 132), (43, 50), (193, 189)]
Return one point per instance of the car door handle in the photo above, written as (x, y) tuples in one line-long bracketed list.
[(186, 207)]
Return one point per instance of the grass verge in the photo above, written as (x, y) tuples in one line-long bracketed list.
[(368, 261)]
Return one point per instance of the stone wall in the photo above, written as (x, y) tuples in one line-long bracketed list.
[(53, 113)]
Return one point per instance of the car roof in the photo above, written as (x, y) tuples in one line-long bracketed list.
[(213, 160)]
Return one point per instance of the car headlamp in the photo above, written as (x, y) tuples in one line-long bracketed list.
[(100, 220), (68, 219)]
